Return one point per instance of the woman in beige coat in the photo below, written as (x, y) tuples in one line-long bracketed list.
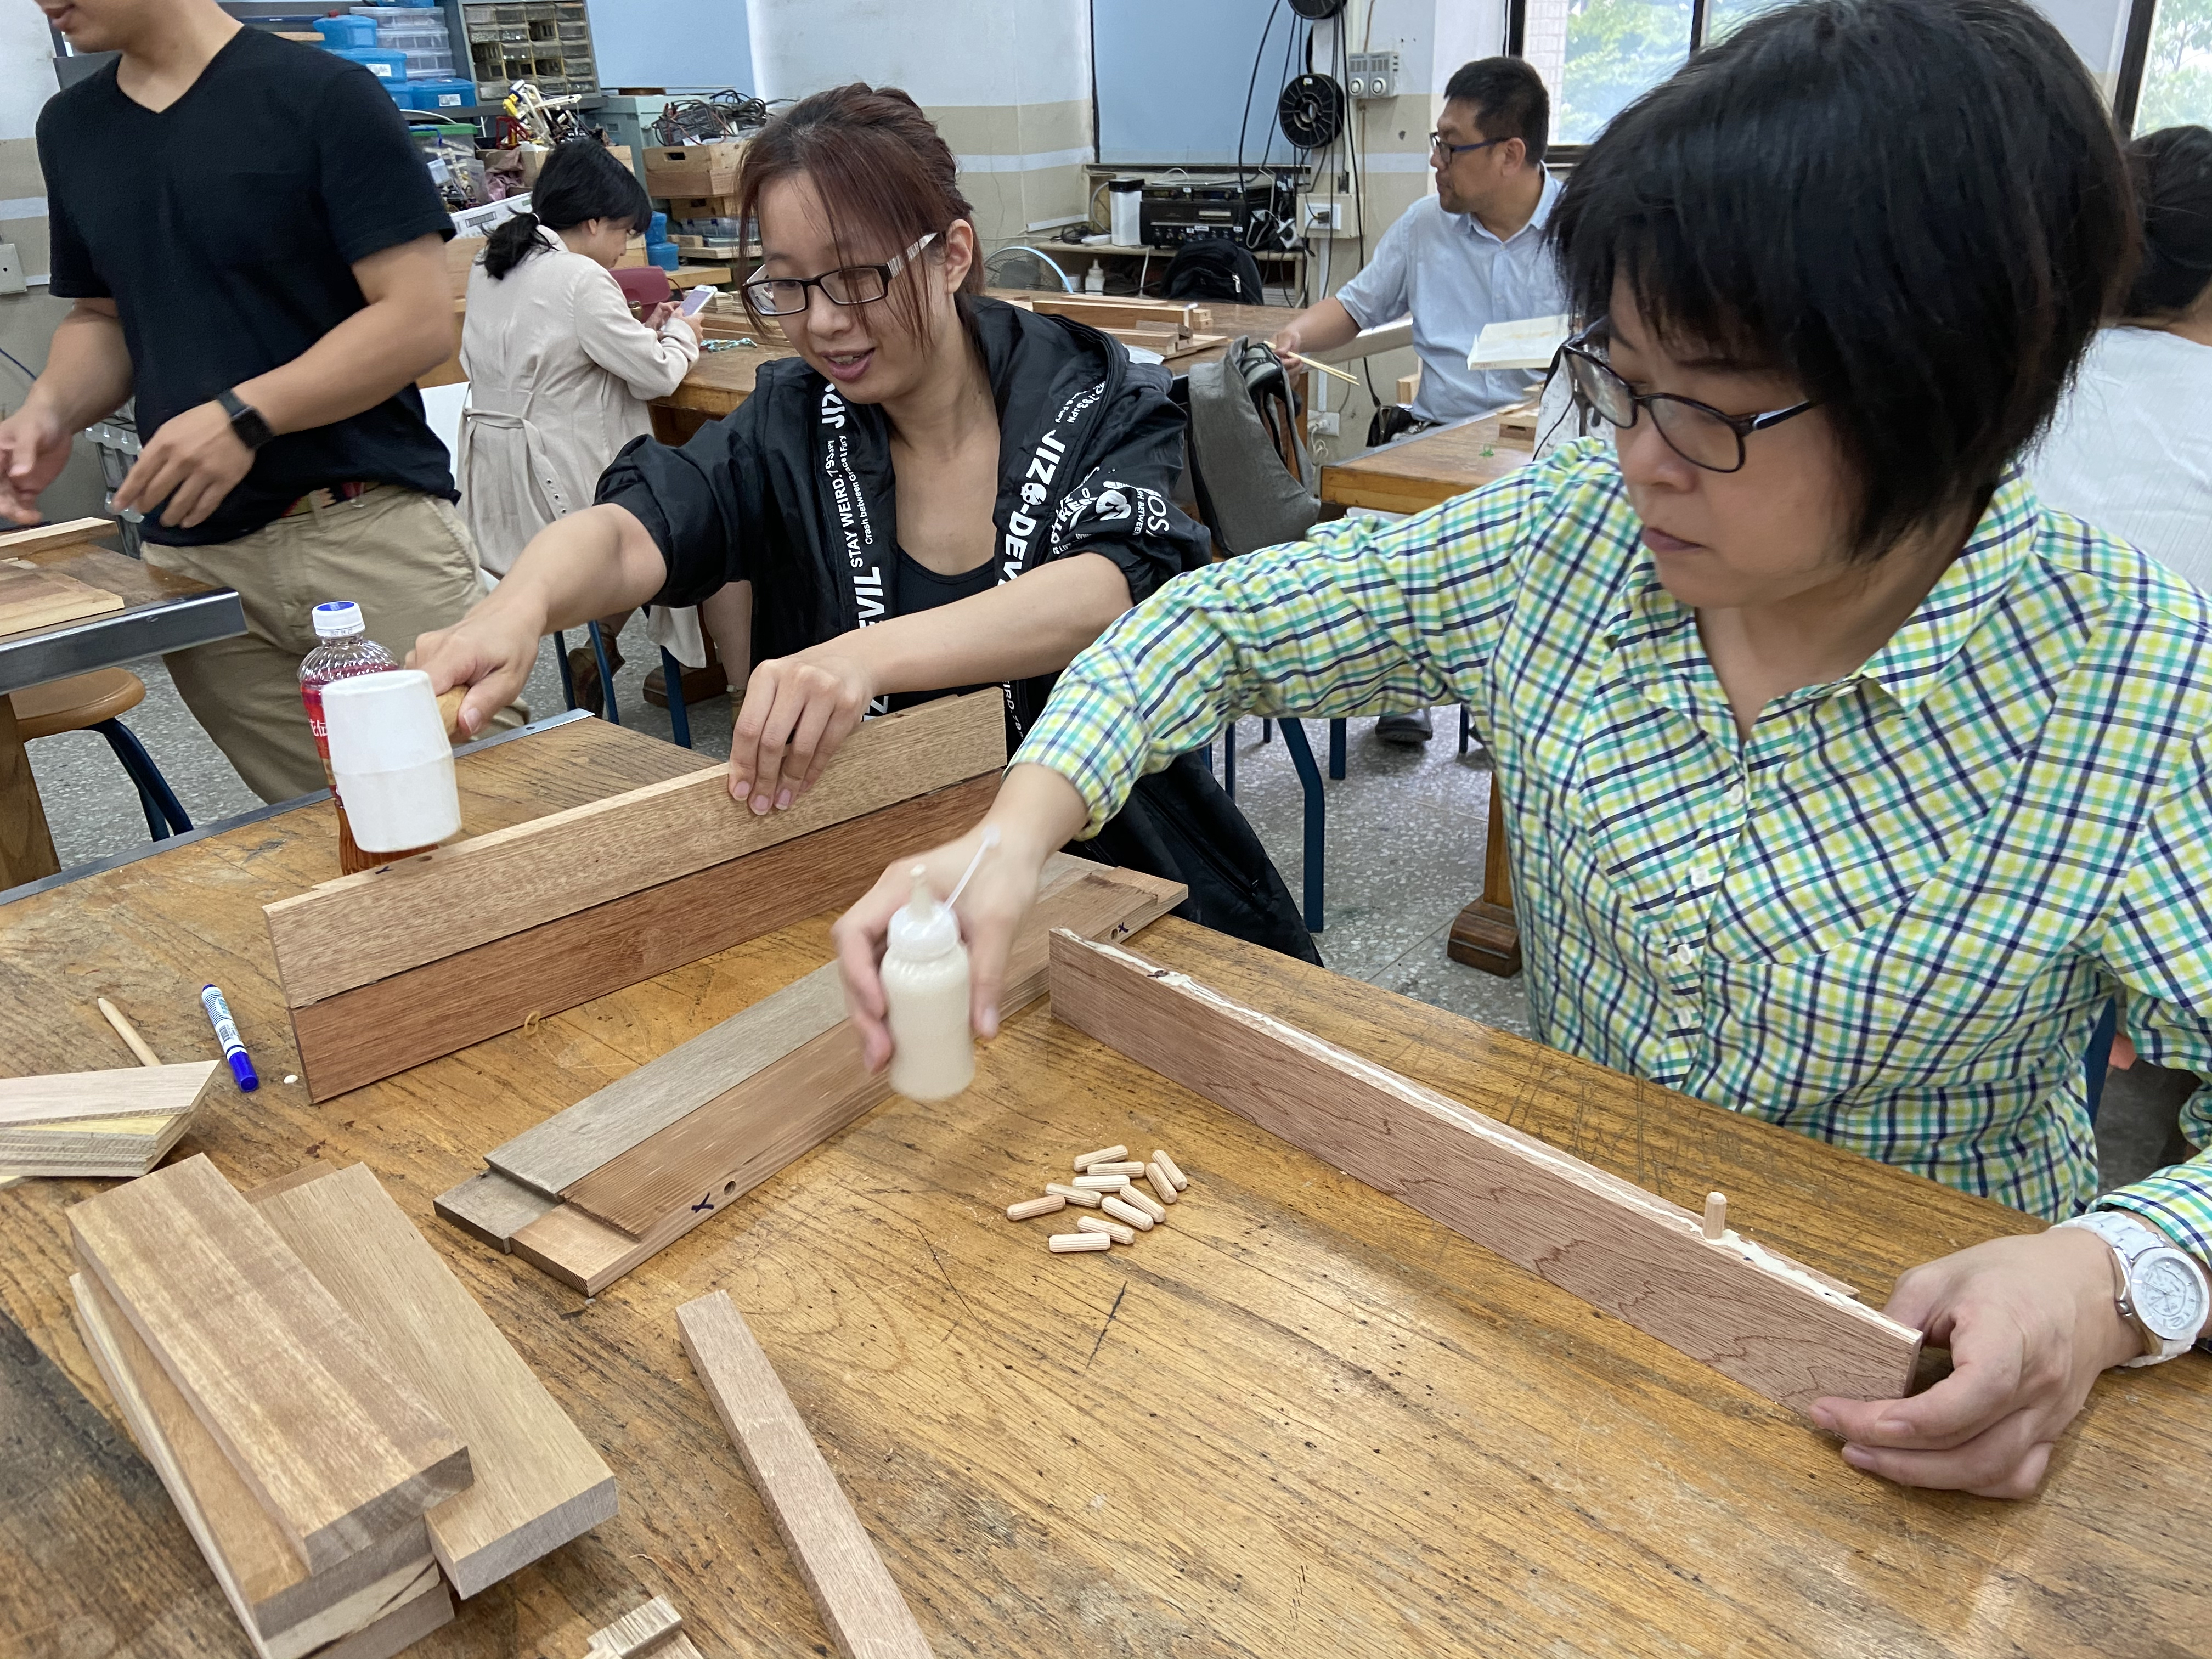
[(559, 372)]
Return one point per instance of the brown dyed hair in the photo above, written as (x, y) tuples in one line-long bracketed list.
[(885, 177)]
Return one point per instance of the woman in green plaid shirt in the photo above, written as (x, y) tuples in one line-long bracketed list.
[(1844, 784)]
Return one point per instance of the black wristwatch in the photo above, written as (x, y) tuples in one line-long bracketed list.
[(245, 420)]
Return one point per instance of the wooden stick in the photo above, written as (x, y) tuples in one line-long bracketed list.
[(1329, 369), (859, 1601), (1754, 1316), (129, 1033)]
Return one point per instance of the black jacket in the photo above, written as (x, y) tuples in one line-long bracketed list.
[(793, 492)]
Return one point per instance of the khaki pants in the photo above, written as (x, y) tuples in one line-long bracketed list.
[(405, 558)]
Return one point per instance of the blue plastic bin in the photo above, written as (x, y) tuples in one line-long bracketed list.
[(347, 31), (440, 95), (391, 66)]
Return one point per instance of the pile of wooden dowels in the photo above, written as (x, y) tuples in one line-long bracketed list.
[(1106, 1181)]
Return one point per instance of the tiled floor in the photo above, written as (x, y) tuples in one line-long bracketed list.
[(1405, 849)]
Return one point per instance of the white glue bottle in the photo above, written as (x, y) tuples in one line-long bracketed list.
[(925, 972)]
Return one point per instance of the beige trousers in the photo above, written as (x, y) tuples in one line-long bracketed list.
[(405, 558)]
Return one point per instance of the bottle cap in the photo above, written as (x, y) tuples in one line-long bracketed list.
[(339, 619), (922, 927)]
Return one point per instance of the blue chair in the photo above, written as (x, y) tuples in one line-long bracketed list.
[(2099, 1060), (679, 717)]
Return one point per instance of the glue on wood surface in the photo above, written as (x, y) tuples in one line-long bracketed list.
[(925, 975)]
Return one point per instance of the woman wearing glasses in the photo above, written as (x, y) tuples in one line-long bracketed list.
[(1844, 786), (940, 492)]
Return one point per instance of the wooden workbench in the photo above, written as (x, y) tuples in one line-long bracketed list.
[(1415, 474), (1298, 1421)]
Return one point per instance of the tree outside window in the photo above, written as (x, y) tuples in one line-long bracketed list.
[(2177, 78)]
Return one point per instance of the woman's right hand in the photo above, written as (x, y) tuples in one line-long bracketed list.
[(1037, 811), (655, 315), (491, 651)]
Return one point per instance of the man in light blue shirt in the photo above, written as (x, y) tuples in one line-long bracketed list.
[(1473, 253)]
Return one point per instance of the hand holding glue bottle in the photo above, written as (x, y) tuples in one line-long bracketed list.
[(924, 980)]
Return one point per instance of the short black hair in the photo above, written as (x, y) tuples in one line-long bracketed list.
[(2173, 171), (581, 179), (1509, 99), (1917, 208)]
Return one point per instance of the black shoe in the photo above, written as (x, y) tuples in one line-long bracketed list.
[(1405, 729), (584, 675)]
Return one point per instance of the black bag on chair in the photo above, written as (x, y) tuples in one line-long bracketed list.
[(1179, 823), (1215, 269)]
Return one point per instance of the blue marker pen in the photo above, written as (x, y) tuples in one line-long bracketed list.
[(225, 1033)]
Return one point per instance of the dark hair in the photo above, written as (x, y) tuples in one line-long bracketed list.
[(581, 179), (1915, 209), (885, 176), (1509, 99), (2173, 172)]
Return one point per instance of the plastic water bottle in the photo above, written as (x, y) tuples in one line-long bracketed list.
[(926, 998), (346, 650)]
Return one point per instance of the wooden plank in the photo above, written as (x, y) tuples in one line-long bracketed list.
[(363, 927), (1750, 1313), (30, 597), (16, 542), (125, 1091), (337, 1446), (556, 1154), (859, 1602), (539, 1482), (587, 1253), (361, 1036), (285, 1611), (1109, 312), (99, 1147), (729, 1145), (492, 1207)]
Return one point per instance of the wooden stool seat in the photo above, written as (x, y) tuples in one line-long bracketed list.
[(75, 704)]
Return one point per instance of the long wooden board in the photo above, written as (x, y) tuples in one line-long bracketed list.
[(859, 1601), (555, 1155), (539, 1482), (94, 1146), (581, 1250), (16, 542), (124, 1091), (746, 1133), (1751, 1314), (374, 1032), (30, 597), (337, 1447), (364, 927), (286, 1611)]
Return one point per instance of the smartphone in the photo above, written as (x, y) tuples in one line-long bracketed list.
[(695, 300)]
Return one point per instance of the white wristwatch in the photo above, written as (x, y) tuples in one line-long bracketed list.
[(2163, 1294)]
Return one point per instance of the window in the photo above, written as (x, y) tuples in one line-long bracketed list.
[(2165, 72), (1597, 55)]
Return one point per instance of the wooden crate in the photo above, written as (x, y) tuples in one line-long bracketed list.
[(694, 170)]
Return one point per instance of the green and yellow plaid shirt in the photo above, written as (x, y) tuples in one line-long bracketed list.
[(1889, 916)]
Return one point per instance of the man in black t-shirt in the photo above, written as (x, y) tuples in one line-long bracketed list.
[(255, 249)]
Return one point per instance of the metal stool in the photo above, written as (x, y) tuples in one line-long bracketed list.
[(679, 717), (1316, 802), (91, 702)]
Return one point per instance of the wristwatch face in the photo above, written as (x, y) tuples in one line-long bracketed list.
[(2169, 1294)]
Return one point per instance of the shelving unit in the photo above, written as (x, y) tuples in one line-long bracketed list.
[(547, 41)]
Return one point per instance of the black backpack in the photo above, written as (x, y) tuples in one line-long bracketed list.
[(1215, 269)]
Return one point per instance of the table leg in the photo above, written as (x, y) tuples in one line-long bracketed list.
[(26, 846), (1487, 935)]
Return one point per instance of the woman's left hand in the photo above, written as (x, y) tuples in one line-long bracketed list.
[(655, 315), (2030, 1322), (798, 710)]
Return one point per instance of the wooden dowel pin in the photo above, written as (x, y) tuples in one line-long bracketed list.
[(1070, 1243), (1128, 1212), (1125, 1167), (1113, 1230), (1161, 1183), (1082, 1195), (1104, 1154), (1181, 1181), (129, 1033), (1716, 1216), (1139, 1199), (1099, 1183), (1045, 1206)]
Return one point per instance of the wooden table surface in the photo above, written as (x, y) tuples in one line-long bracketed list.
[(1417, 473), (1299, 1419)]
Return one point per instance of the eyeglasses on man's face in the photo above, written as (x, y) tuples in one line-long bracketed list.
[(851, 285), (1441, 146), (1698, 433)]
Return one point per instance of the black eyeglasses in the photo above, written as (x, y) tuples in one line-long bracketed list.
[(1438, 146), (853, 285), (1697, 431)]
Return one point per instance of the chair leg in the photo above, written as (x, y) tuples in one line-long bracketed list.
[(1294, 740), (679, 717), (1267, 731), (1465, 728), (1229, 760), (606, 673), (165, 815), (1336, 749), (2099, 1060), (568, 680)]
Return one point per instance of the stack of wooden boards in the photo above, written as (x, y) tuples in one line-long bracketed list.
[(1174, 328), (32, 597), (594, 1191), (112, 1123), (392, 967), (347, 1435)]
